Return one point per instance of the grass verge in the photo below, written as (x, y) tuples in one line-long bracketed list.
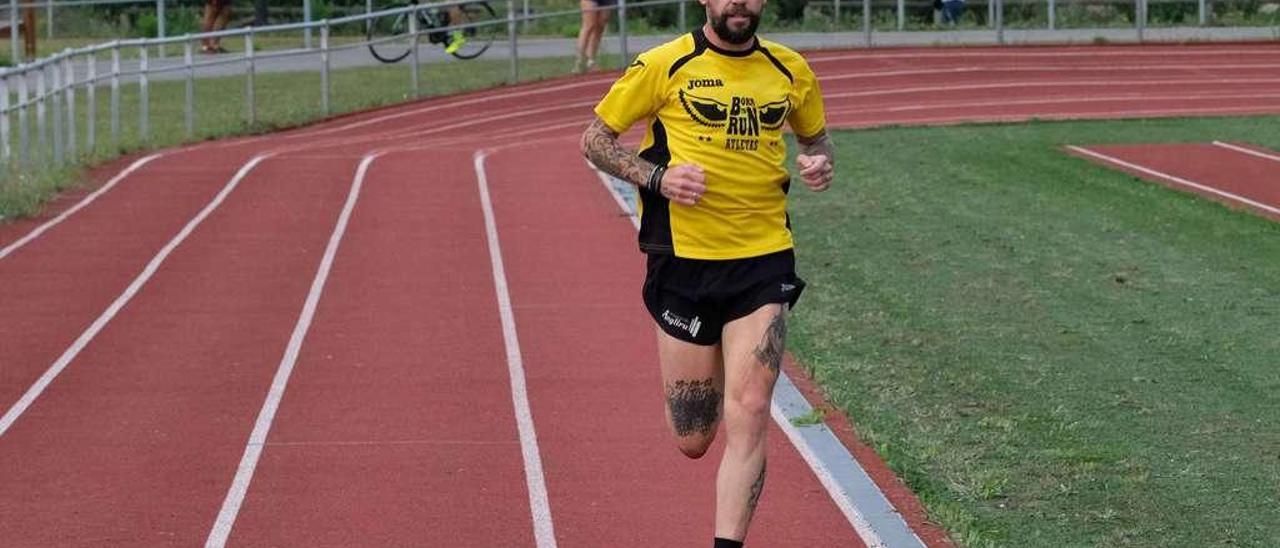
[(1048, 352)]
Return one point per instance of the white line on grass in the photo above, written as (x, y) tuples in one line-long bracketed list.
[(861, 502), (1250, 152), (1174, 179), (543, 530), (86, 201), (253, 450), (70, 354)]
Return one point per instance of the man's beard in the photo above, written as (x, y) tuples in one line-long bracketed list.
[(736, 37)]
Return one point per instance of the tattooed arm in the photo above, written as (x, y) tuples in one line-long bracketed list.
[(600, 145), (817, 167), (683, 184)]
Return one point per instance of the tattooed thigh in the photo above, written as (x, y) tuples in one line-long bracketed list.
[(773, 343), (694, 405)]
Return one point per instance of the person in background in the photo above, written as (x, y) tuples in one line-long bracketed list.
[(216, 15), (951, 11), (595, 18)]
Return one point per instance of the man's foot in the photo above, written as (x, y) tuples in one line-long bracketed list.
[(578, 66), (456, 40), (591, 65)]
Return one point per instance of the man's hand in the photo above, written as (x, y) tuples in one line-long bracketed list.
[(684, 184), (816, 171)]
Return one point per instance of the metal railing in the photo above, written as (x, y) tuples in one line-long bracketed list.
[(40, 98)]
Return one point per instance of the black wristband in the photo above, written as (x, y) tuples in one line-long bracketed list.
[(654, 184)]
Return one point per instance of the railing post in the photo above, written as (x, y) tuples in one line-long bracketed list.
[(999, 21), (682, 19), (622, 32), (413, 50), (189, 63), (902, 14), (1053, 13), (91, 103), (248, 78), (24, 119), (144, 99), (866, 20), (5, 151), (835, 13), (160, 26), (1203, 5), (1140, 18), (324, 67), (49, 17), (69, 70), (306, 18), (115, 95), (15, 53), (55, 98), (42, 136), (511, 40)]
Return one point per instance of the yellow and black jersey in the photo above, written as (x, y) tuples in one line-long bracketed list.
[(724, 111)]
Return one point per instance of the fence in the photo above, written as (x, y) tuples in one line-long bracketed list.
[(49, 108)]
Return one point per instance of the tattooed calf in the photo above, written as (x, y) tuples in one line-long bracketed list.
[(694, 405), (769, 352), (756, 489)]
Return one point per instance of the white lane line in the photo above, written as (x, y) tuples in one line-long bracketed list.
[(401, 113), (70, 354), (857, 122), (1248, 151), (1126, 98), (543, 530), (244, 474), (1053, 84), (1174, 179), (987, 53), (861, 502), (86, 201), (988, 70)]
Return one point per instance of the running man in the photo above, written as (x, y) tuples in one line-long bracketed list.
[(713, 190)]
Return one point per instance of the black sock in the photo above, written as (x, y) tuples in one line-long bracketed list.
[(726, 543)]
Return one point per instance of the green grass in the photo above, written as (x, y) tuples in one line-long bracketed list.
[(283, 100), (1050, 353)]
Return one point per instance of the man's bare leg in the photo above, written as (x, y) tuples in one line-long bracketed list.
[(753, 347), (693, 387)]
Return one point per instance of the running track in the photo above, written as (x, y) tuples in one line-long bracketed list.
[(421, 325)]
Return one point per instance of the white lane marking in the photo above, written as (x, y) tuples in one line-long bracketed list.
[(1127, 98), (988, 70), (1248, 151), (848, 484), (996, 118), (1174, 179), (86, 201), (253, 450), (1055, 84), (70, 354), (988, 53), (544, 531), (448, 104)]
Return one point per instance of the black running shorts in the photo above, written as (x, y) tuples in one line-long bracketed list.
[(693, 299)]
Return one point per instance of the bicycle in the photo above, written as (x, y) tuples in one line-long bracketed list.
[(386, 47)]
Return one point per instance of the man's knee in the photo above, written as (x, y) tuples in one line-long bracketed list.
[(695, 446), (693, 407)]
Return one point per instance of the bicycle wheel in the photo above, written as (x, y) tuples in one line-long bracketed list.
[(389, 38), (479, 37)]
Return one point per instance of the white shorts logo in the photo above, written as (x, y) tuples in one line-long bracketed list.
[(692, 326), (787, 287)]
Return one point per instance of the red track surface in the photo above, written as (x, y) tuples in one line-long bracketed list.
[(397, 426), (1222, 172)]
